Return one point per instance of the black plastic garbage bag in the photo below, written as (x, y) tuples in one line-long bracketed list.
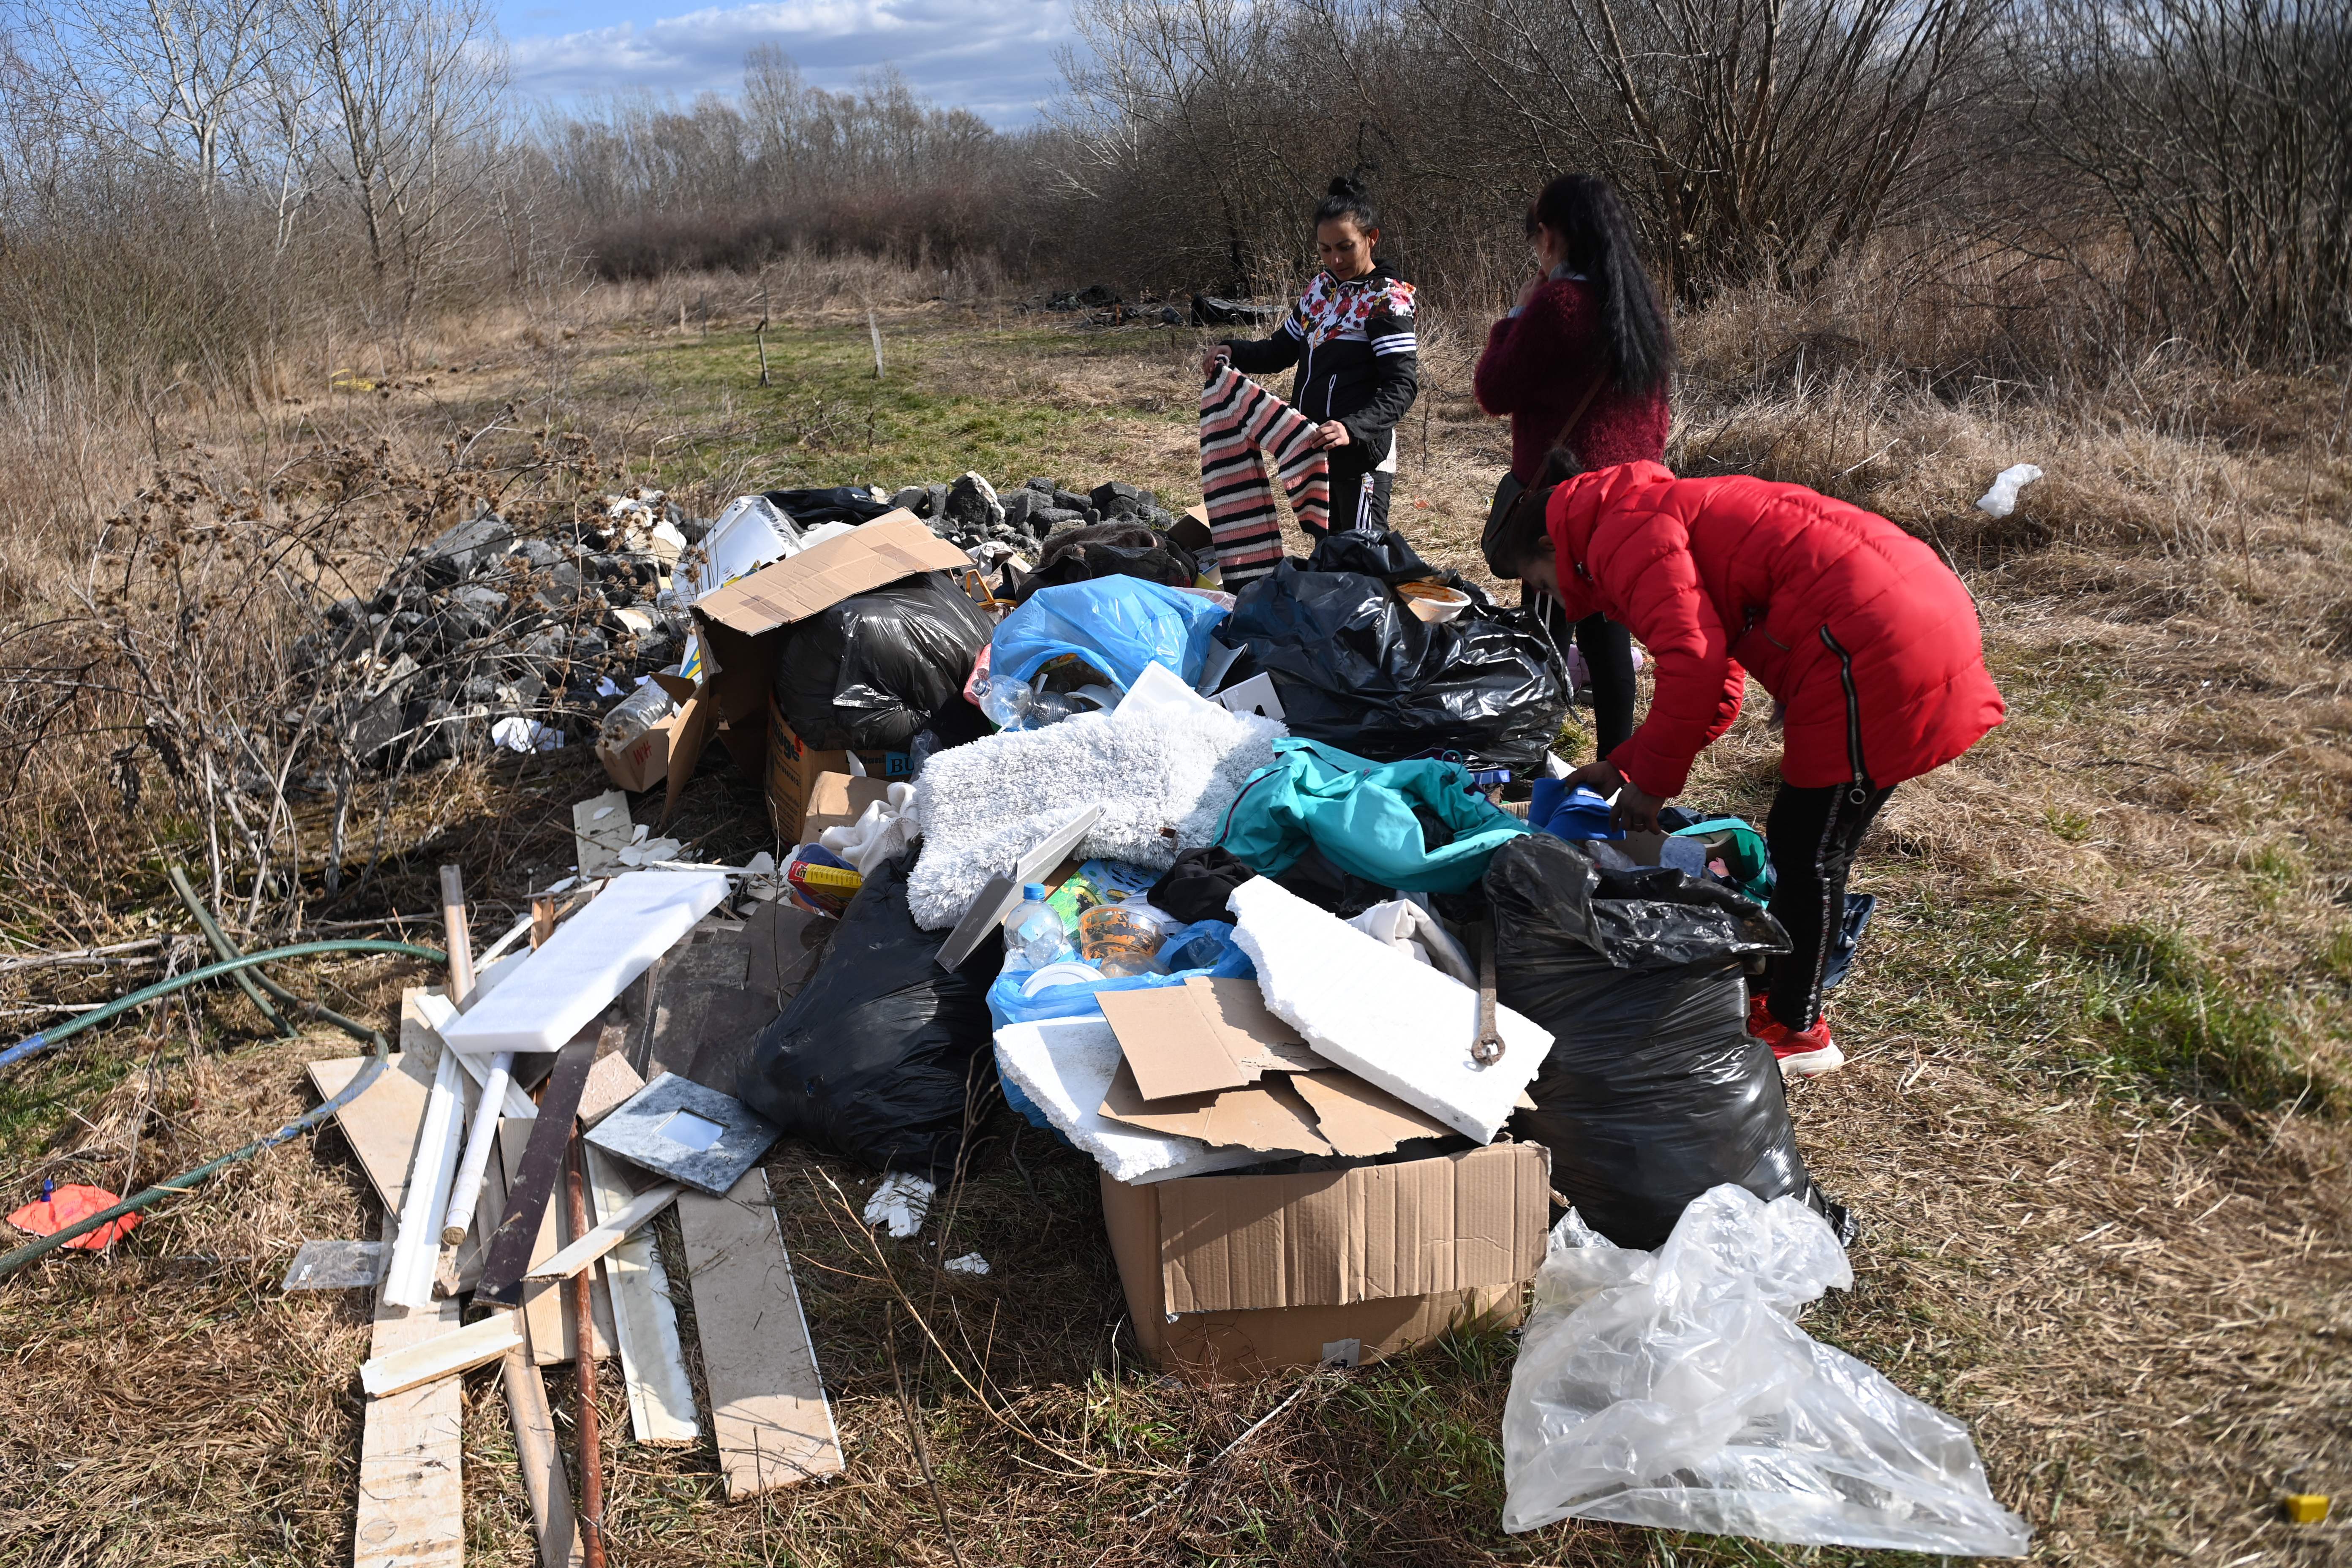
[(1355, 669), (842, 503), (874, 1057), (1384, 553), (1120, 549), (1654, 1091), (867, 673)]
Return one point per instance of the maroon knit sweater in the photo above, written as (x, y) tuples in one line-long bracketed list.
[(1538, 363)]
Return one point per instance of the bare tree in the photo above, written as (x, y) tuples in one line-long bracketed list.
[(412, 89), (2219, 133)]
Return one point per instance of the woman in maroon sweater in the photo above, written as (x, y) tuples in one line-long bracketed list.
[(1588, 317)]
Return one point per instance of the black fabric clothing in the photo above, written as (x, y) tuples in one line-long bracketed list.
[(1357, 358), (1812, 835), (1354, 504), (1197, 886), (1608, 650)]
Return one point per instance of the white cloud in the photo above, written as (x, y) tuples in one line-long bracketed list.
[(993, 57)]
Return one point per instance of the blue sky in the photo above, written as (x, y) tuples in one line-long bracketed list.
[(993, 57)]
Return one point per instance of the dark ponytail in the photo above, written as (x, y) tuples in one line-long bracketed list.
[(1591, 222), (1348, 197)]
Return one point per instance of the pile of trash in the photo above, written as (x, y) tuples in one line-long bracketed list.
[(1274, 905)]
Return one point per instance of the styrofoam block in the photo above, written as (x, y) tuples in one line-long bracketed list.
[(590, 960), (1065, 1065), (1398, 1023)]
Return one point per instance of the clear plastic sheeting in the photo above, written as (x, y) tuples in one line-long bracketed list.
[(1674, 1389)]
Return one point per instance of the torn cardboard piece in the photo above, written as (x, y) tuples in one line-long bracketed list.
[(1201, 1036), (1267, 1118), (1359, 1120)]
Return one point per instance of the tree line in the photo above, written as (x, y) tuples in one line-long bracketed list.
[(181, 181)]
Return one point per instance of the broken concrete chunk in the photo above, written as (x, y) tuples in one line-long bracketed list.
[(464, 550)]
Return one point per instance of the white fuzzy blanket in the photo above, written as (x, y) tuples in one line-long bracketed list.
[(981, 806)]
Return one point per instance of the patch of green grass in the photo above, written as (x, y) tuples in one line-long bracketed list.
[(826, 420), (2070, 825), (2134, 1009), (2335, 957)]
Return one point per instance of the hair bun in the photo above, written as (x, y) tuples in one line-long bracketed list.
[(1347, 185)]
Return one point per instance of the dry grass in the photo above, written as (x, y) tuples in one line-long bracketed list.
[(2095, 1121)]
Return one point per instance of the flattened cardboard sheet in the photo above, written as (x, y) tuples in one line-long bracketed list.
[(1359, 1120), (1201, 1036), (1267, 1117)]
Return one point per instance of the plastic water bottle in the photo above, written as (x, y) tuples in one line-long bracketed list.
[(1034, 934)]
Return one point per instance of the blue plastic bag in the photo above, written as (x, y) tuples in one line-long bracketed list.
[(1361, 815), (1007, 1005), (1116, 624)]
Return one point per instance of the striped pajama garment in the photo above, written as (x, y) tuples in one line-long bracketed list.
[(1240, 419)]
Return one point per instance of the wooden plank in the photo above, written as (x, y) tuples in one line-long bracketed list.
[(544, 1318), (444, 1355), (380, 1126), (602, 1238), (768, 1408), (529, 1185), (661, 1398), (412, 1498)]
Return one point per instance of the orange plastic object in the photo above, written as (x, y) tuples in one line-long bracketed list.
[(58, 1207)]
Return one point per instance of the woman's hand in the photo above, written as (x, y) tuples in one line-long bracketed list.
[(1211, 357), (1635, 811), (1331, 433)]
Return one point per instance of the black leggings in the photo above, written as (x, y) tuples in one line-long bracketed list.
[(1354, 504), (1608, 650), (1812, 835)]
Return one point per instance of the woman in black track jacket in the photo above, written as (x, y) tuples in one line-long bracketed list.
[(1351, 336)]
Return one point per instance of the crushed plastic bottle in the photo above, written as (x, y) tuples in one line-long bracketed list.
[(1034, 934)]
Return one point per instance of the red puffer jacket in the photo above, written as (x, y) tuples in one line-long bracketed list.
[(1869, 642)]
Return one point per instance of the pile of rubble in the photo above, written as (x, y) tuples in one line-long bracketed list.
[(482, 638), (969, 513)]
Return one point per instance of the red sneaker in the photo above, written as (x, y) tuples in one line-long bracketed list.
[(1802, 1053)]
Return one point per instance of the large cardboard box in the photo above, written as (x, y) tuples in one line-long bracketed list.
[(737, 625), (796, 775), (1228, 1275)]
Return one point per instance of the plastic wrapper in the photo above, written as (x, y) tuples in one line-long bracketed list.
[(1355, 667), (866, 674), (1417, 825), (1674, 1390), (842, 503), (1115, 624), (873, 1059), (1654, 1091)]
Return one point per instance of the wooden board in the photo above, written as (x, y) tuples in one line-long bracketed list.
[(546, 1318), (768, 1408), (412, 1497), (380, 1126), (661, 1398), (477, 1343), (532, 1180), (532, 1422)]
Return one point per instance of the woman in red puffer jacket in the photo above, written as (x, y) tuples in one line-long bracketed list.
[(1867, 642)]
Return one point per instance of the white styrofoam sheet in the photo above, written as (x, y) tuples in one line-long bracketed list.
[(1391, 1021), (1065, 1065), (590, 960)]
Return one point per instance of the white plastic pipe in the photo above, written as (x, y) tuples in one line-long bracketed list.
[(466, 1192), (416, 1254)]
